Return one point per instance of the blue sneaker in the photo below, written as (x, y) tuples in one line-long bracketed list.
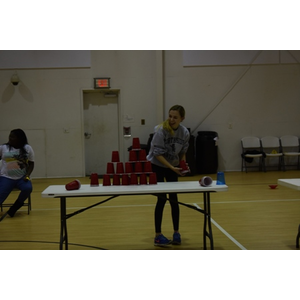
[(161, 240), (176, 239)]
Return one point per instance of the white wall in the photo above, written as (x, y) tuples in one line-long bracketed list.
[(258, 100), (48, 101), (264, 100)]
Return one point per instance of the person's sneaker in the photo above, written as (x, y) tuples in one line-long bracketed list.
[(176, 239), (161, 240)]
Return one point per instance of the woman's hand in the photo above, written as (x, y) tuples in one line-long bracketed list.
[(167, 164), (178, 171)]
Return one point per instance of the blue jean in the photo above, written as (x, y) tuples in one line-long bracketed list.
[(6, 187)]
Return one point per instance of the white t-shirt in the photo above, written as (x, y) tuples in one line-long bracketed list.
[(14, 164)]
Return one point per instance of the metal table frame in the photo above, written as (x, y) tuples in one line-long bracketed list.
[(59, 191)]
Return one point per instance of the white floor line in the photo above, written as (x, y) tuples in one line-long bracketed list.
[(141, 205), (100, 206), (224, 231), (253, 201)]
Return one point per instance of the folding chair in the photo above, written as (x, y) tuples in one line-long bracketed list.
[(26, 203), (291, 150), (271, 147), (251, 151)]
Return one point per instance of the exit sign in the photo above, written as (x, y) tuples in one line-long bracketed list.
[(101, 83)]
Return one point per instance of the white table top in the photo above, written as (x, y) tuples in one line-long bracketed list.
[(291, 183), (55, 191)]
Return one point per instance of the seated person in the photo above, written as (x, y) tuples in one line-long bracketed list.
[(17, 165)]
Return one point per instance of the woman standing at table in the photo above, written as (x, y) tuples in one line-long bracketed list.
[(168, 147), (17, 164)]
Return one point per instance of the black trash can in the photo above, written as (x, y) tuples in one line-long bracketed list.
[(207, 152), (190, 156)]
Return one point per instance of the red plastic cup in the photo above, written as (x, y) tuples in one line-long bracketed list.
[(133, 179), (132, 155), (138, 168), (152, 178), (184, 167), (94, 179), (142, 155), (143, 178), (110, 169), (116, 179), (128, 167), (125, 179), (115, 156), (73, 185), (136, 143), (106, 180), (147, 167), (120, 168)]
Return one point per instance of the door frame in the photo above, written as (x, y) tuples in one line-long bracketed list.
[(120, 129)]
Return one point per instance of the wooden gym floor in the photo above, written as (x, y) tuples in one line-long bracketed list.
[(249, 216)]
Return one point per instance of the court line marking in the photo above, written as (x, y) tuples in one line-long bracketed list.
[(100, 206), (253, 201), (147, 205), (141, 205), (224, 231), (212, 220)]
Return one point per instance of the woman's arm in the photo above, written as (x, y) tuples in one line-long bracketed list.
[(29, 170), (162, 160)]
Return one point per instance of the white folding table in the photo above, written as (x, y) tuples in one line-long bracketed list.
[(181, 187), (293, 184)]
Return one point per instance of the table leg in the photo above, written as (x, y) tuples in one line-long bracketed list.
[(207, 221), (298, 236), (63, 224)]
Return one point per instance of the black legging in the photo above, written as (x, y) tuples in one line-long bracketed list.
[(170, 176)]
